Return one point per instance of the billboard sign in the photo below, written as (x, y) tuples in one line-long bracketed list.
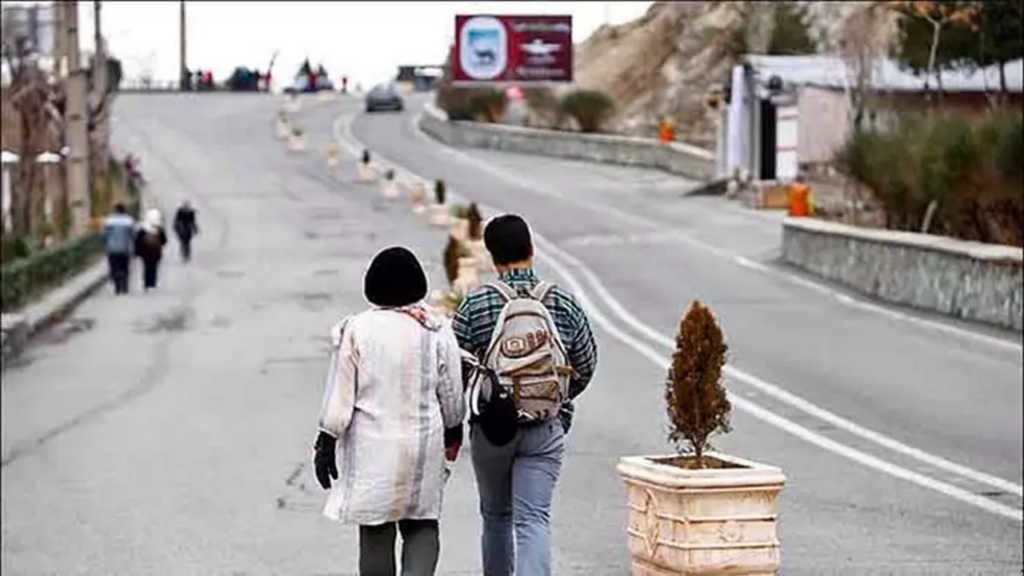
[(512, 49)]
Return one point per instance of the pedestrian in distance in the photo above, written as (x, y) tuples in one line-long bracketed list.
[(149, 247), (392, 415), (534, 353), (186, 228), (118, 230)]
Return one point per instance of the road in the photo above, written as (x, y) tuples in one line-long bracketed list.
[(169, 433)]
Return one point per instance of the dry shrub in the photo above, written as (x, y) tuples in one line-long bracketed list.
[(969, 169), (697, 403), (590, 108)]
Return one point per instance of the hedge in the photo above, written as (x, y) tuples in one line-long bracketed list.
[(28, 277)]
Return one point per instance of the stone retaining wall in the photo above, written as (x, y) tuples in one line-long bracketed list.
[(676, 158), (967, 280)]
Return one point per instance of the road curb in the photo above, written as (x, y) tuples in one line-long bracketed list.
[(20, 327)]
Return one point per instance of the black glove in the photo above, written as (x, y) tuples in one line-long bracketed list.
[(323, 459)]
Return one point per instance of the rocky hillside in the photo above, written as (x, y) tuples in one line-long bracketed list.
[(664, 63)]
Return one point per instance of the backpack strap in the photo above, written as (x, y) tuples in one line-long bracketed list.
[(541, 291), (504, 290)]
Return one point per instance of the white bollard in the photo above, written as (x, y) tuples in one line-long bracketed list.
[(297, 143), (389, 189), (417, 195), (459, 229), (283, 129)]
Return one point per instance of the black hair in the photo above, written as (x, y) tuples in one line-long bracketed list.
[(507, 238), (119, 208)]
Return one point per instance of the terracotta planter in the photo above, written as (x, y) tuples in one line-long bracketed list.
[(439, 215), (459, 229), (711, 521)]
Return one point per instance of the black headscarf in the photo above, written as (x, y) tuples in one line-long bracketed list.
[(395, 278)]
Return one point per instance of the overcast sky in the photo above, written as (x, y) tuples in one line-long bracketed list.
[(365, 40)]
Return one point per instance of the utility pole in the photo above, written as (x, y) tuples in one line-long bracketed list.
[(76, 127), (182, 47)]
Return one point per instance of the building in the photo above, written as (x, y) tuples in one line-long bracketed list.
[(788, 113)]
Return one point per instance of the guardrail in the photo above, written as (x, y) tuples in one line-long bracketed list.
[(675, 157), (968, 280)]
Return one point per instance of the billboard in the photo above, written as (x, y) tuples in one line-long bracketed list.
[(512, 49)]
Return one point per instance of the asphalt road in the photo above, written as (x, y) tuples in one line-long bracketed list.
[(169, 433)]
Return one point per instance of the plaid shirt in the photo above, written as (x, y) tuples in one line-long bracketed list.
[(476, 318)]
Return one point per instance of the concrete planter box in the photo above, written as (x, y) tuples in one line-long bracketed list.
[(713, 521), (468, 276), (968, 280), (439, 215), (459, 229), (389, 189), (297, 143), (284, 130), (366, 172)]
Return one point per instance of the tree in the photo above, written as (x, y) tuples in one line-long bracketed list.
[(922, 24), (697, 403), (1001, 36)]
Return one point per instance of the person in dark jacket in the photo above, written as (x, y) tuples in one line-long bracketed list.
[(149, 246), (186, 228)]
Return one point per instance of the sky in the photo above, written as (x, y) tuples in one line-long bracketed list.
[(366, 41)]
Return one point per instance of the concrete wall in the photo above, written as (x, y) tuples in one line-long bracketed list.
[(676, 158), (968, 280)]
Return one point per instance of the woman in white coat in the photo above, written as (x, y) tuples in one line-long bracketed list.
[(394, 408)]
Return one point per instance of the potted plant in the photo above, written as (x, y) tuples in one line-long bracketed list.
[(460, 267), (417, 195), (699, 511), (459, 223), (439, 211), (283, 128), (389, 188), (298, 139), (366, 172), (475, 233)]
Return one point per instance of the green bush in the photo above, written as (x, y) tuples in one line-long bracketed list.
[(24, 279), (590, 108), (969, 169), (488, 104)]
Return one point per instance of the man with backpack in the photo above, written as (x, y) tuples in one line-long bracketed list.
[(533, 353), (186, 228)]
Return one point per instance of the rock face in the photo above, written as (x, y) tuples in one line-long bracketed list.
[(664, 63)]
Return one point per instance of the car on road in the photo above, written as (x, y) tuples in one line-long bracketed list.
[(384, 97)]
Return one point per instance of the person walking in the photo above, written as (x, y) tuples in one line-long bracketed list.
[(149, 246), (536, 354), (118, 229), (185, 228), (393, 408)]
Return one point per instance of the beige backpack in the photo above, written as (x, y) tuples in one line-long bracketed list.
[(526, 354)]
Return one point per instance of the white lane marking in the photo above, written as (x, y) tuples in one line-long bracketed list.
[(840, 297), (785, 424), (782, 395), (746, 405)]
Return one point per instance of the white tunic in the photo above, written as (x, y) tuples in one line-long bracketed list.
[(394, 385)]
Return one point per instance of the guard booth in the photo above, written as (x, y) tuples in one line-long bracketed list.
[(419, 78)]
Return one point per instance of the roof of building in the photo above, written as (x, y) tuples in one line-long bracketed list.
[(832, 72)]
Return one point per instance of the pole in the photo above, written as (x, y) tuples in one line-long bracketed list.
[(182, 47), (76, 125), (100, 137)]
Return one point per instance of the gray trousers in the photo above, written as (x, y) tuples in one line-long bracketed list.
[(516, 483), (420, 548)]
